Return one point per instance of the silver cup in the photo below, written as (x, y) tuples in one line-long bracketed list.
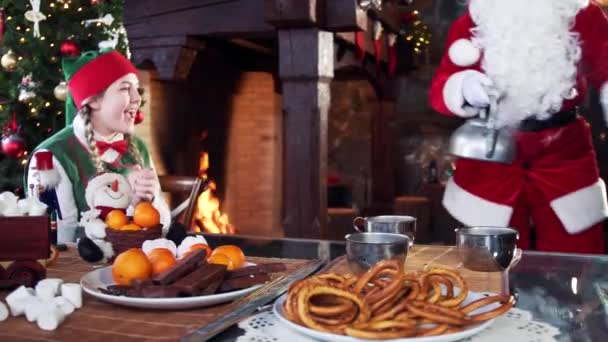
[(364, 250), (489, 249), (394, 224)]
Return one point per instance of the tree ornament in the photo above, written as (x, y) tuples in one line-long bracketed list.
[(139, 117), (9, 61), (34, 15), (69, 48), (1, 23), (95, 2), (27, 88), (61, 91), (13, 145)]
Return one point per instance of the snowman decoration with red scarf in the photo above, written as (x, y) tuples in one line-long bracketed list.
[(537, 59), (104, 193)]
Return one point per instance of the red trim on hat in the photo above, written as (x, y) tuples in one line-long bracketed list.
[(95, 76)]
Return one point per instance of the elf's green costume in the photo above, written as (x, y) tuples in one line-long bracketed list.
[(89, 75)]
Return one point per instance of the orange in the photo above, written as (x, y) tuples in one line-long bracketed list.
[(116, 219), (130, 226), (199, 246), (233, 252), (130, 265), (145, 215), (161, 259), (221, 259)]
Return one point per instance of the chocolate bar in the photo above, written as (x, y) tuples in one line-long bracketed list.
[(243, 282), (200, 278), (181, 268), (212, 288), (250, 270)]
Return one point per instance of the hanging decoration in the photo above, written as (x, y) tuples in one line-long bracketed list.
[(391, 39), (13, 145), (27, 88), (69, 48), (1, 23), (139, 117), (9, 61), (34, 15), (61, 91), (377, 34), (96, 2), (107, 20), (110, 43)]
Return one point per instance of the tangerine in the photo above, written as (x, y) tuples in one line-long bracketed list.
[(130, 226), (199, 246), (221, 259), (145, 215), (130, 265), (116, 219), (161, 259), (233, 252)]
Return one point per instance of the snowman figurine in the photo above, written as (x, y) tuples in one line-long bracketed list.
[(104, 193)]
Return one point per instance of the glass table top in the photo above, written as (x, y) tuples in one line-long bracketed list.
[(568, 291)]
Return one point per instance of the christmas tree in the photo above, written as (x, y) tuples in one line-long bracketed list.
[(34, 37)]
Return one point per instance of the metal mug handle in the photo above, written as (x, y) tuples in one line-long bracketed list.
[(358, 224)]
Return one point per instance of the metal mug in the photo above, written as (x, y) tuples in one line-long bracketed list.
[(364, 250), (394, 224)]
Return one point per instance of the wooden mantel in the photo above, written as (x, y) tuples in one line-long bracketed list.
[(169, 34)]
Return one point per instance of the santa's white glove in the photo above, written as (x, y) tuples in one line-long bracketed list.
[(477, 88)]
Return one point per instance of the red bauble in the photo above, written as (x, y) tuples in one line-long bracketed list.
[(69, 48), (13, 145), (139, 117), (95, 2)]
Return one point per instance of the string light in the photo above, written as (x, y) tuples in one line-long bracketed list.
[(22, 40)]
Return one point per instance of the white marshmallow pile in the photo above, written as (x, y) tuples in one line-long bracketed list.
[(47, 305), (11, 205), (149, 245)]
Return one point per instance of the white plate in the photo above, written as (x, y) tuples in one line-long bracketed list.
[(323, 336), (102, 277)]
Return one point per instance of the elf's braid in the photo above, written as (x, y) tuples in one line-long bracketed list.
[(85, 111), (134, 151)]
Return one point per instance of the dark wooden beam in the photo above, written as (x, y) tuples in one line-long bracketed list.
[(172, 57), (306, 66), (290, 13), (344, 16)]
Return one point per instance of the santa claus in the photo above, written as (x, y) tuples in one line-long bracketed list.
[(536, 58)]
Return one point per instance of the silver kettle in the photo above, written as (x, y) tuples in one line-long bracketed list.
[(480, 139)]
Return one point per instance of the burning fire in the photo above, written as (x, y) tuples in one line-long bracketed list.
[(207, 215)]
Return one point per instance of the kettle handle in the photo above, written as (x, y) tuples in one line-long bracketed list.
[(490, 117)]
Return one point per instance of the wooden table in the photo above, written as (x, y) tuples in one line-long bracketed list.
[(99, 321)]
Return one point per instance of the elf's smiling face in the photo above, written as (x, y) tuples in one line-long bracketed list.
[(114, 111)]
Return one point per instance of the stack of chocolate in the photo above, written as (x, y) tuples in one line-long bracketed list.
[(193, 276)]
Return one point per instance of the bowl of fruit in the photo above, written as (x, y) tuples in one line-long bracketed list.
[(125, 233)]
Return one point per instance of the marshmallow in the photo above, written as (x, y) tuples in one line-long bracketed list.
[(50, 318), (3, 312), (37, 208), (45, 291), (149, 245), (11, 210), (17, 299), (64, 305), (34, 307), (188, 242), (55, 283), (73, 293)]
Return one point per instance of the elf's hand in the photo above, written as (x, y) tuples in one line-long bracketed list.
[(477, 88), (143, 184)]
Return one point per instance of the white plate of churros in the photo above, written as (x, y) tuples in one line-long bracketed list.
[(387, 303)]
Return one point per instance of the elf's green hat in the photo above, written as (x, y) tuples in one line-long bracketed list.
[(90, 74)]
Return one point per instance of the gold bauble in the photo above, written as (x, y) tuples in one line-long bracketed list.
[(61, 91), (9, 61)]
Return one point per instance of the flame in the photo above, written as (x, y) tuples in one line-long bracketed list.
[(208, 216)]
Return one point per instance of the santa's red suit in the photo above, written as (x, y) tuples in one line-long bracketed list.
[(541, 65)]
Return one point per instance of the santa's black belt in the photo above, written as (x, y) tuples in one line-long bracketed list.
[(555, 120)]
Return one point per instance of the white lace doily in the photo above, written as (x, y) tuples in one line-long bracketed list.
[(515, 325)]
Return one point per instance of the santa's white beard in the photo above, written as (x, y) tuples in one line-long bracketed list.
[(529, 52)]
